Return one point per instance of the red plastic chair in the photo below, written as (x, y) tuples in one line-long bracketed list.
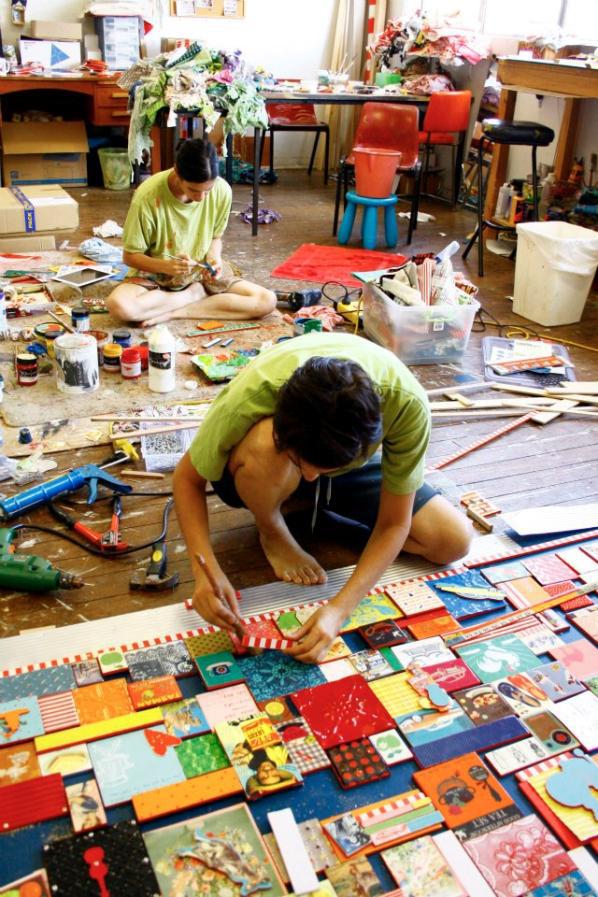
[(387, 126), (297, 117), (445, 124)]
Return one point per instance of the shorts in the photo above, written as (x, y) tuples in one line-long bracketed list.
[(354, 496), (228, 278)]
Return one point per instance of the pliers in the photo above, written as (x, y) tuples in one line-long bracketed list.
[(109, 542)]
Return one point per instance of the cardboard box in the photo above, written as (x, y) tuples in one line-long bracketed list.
[(56, 31), (37, 210), (29, 243), (64, 160), (60, 55)]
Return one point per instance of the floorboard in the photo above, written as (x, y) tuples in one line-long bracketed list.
[(533, 465)]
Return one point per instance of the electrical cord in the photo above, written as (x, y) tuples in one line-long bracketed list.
[(97, 551)]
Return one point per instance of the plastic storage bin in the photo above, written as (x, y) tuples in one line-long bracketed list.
[(555, 267), (375, 171), (116, 168), (418, 334), (119, 39)]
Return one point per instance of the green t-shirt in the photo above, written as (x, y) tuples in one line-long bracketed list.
[(159, 223), (252, 396)]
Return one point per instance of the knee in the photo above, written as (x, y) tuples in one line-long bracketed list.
[(265, 302), (451, 544), (119, 306)]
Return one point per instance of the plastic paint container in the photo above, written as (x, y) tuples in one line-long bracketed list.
[(76, 363), (122, 337), (130, 363), (101, 337), (80, 319), (27, 369), (112, 354), (144, 355), (162, 354), (48, 332)]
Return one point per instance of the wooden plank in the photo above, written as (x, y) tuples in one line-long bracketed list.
[(185, 795), (567, 139), (500, 154)]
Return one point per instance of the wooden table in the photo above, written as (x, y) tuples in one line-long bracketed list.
[(557, 78)]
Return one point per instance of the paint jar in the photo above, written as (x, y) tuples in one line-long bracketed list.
[(162, 353), (76, 363), (27, 369), (144, 355), (130, 363), (48, 332), (122, 337), (80, 319), (101, 337), (112, 353)]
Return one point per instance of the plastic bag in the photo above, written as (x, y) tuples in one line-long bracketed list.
[(565, 247)]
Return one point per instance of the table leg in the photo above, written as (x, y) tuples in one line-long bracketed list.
[(500, 154), (257, 140), (563, 159), (229, 159), (156, 154)]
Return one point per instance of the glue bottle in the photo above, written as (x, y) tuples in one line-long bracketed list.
[(162, 355)]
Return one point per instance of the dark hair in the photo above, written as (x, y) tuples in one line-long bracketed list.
[(328, 412), (196, 161)]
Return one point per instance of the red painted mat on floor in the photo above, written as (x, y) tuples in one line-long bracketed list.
[(321, 263)]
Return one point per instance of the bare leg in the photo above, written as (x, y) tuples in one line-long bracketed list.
[(132, 302), (439, 532), (264, 478)]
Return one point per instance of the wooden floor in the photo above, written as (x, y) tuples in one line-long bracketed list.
[(531, 466)]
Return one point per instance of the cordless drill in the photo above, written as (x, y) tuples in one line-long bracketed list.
[(28, 572), (298, 298)]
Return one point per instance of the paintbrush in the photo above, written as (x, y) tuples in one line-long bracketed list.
[(205, 265), (238, 626)]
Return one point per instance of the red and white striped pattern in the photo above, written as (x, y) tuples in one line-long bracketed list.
[(58, 711), (543, 766), (444, 462), (391, 809), (275, 644)]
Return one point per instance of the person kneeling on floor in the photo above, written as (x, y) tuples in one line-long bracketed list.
[(173, 244), (319, 405)]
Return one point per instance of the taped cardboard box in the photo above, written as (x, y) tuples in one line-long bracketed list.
[(64, 160), (37, 210), (56, 31)]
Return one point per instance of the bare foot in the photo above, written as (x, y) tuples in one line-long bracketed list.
[(289, 562)]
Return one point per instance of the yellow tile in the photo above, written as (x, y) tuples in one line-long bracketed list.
[(94, 731)]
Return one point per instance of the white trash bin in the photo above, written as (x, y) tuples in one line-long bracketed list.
[(555, 267)]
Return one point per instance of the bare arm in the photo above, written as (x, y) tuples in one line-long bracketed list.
[(142, 262), (216, 606), (385, 543), (214, 255)]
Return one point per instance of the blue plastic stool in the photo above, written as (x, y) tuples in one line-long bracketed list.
[(370, 219)]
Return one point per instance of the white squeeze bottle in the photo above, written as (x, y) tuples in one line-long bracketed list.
[(162, 356)]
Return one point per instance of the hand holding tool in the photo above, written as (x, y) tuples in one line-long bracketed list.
[(205, 265), (29, 572), (155, 578), (238, 626), (89, 475)]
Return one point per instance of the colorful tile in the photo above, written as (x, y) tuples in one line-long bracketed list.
[(357, 763), (575, 818), (144, 664), (307, 755), (452, 675), (498, 658), (185, 719), (548, 569), (87, 672), (18, 763), (85, 806), (31, 801), (175, 659), (371, 664), (34, 884), (122, 863), (288, 623), (36, 683), (211, 840), (469, 797), (420, 870), (219, 670), (549, 730), (19, 721), (571, 885), (397, 695), (58, 711), (153, 692), (580, 657), (460, 606), (504, 572), (68, 761), (228, 704), (342, 711), (371, 609), (201, 755), (578, 559), (513, 757), (258, 756), (111, 662), (413, 596), (524, 592), (383, 634), (348, 834), (430, 726), (138, 761), (555, 680), (391, 747), (273, 673), (436, 626), (482, 704), (276, 709), (102, 701), (522, 694), (208, 643), (580, 715), (340, 669), (355, 878), (519, 857), (425, 652)]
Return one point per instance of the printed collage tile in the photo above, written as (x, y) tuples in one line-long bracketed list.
[(427, 707)]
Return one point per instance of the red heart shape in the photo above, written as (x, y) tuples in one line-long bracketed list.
[(160, 741)]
